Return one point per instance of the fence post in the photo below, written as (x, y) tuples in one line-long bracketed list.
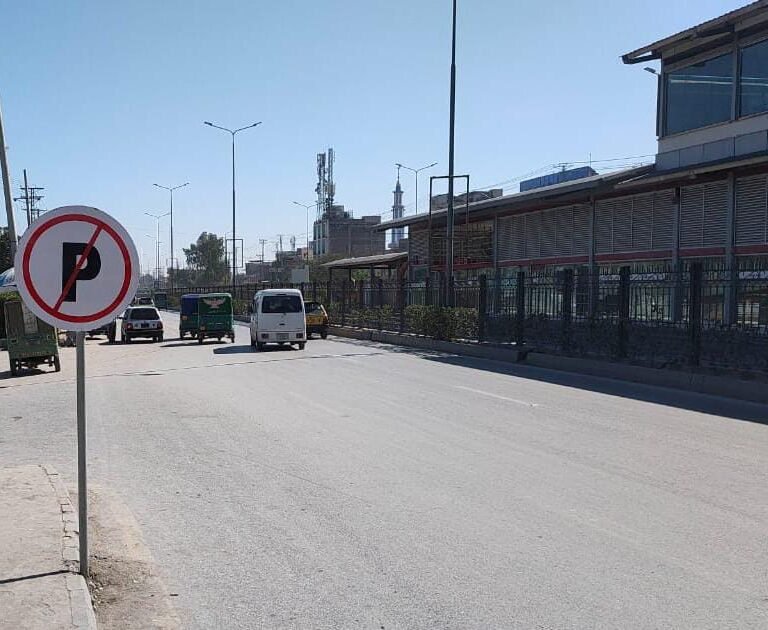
[(301, 288), (343, 302), (328, 293), (520, 309), (624, 275), (567, 308), (314, 290), (401, 301), (380, 291), (427, 291), (694, 312), (482, 307)]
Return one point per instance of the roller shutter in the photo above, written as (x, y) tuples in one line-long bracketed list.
[(715, 212), (581, 230), (622, 224), (692, 216), (751, 210), (533, 235), (642, 222), (663, 219), (604, 227), (564, 225)]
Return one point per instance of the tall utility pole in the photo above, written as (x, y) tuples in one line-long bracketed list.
[(233, 132), (449, 217), (5, 173), (30, 196), (262, 242), (174, 267)]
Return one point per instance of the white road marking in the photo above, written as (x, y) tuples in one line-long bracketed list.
[(491, 395)]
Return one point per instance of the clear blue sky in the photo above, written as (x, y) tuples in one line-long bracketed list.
[(102, 99)]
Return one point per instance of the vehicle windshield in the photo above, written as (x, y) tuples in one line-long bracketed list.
[(314, 308), (144, 313), (281, 304)]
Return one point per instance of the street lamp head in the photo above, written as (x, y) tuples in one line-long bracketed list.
[(210, 124), (651, 70), (431, 165)]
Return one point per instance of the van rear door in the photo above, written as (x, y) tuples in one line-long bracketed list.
[(281, 315)]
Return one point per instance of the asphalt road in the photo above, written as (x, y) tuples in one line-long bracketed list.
[(352, 485)]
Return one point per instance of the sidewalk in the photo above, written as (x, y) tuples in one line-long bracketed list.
[(39, 589)]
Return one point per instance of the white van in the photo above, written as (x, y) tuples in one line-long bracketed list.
[(277, 316)]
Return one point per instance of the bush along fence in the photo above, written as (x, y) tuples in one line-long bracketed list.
[(691, 317)]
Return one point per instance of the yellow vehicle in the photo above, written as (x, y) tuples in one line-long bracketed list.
[(317, 319)]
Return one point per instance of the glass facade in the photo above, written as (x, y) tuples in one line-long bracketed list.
[(753, 82), (700, 94)]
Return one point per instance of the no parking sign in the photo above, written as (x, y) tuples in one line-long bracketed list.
[(77, 269)]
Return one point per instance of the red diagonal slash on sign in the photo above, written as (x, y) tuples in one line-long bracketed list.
[(78, 268)]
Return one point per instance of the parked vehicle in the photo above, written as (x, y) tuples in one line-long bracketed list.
[(141, 321), (31, 341), (214, 316), (277, 316), (101, 330), (160, 299), (188, 315), (317, 319)]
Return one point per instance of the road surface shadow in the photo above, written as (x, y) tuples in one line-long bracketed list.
[(681, 399), (691, 401), (231, 349)]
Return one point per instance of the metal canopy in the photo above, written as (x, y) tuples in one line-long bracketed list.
[(721, 26), (381, 261)]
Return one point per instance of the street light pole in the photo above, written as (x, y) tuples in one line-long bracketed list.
[(306, 207), (171, 189), (5, 173), (157, 218), (452, 123), (233, 132), (416, 172)]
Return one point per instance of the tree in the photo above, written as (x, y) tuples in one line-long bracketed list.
[(206, 258), (5, 250)]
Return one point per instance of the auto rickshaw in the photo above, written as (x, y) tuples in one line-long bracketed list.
[(188, 315), (31, 341), (214, 316)]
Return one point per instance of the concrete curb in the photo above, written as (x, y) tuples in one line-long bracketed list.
[(728, 387), (80, 604)]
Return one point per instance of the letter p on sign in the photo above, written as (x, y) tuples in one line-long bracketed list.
[(77, 268)]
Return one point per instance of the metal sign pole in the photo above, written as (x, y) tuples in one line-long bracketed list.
[(82, 484)]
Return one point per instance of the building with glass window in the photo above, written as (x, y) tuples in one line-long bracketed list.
[(704, 198)]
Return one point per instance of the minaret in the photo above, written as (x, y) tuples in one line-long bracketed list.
[(398, 211)]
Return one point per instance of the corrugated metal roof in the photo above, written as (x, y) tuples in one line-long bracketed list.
[(537, 194), (363, 262), (715, 26)]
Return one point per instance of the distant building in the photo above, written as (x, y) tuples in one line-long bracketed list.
[(439, 202), (258, 271), (337, 233)]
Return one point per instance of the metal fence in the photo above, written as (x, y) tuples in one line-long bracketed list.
[(674, 317)]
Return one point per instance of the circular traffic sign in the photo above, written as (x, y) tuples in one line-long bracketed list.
[(77, 268)]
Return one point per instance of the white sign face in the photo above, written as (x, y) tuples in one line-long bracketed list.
[(77, 268)]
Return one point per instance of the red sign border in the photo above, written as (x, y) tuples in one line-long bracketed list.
[(83, 218)]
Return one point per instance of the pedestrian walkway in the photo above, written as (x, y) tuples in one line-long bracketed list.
[(39, 586)]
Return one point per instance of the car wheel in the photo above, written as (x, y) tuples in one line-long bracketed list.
[(160, 338), (301, 346), (14, 368), (200, 339), (253, 342), (324, 335), (259, 346), (56, 364), (126, 339)]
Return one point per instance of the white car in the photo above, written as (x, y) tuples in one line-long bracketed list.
[(277, 316), (141, 321)]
